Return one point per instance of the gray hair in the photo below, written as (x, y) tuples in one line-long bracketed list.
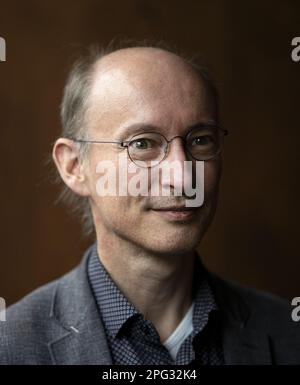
[(75, 103)]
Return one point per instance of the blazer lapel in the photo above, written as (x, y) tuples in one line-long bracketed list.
[(242, 345), (85, 346), (78, 334)]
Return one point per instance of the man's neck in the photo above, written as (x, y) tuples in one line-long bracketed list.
[(159, 286)]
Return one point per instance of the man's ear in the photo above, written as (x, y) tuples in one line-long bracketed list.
[(66, 157)]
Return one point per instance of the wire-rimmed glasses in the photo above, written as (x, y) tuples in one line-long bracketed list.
[(149, 148)]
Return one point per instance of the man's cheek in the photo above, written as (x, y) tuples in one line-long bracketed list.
[(212, 171), (138, 182)]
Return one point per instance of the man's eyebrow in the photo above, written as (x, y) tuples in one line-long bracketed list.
[(143, 127), (136, 129), (203, 124)]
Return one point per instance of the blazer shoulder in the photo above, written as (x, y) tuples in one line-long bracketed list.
[(257, 299), (266, 311), (29, 326)]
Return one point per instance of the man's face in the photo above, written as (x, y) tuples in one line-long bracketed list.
[(158, 90)]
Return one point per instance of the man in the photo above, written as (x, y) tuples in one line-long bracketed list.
[(141, 294)]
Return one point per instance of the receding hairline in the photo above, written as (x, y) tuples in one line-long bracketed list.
[(122, 57), (138, 51)]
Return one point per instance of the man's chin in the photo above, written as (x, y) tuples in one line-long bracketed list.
[(171, 244)]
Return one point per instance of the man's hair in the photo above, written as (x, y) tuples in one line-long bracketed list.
[(75, 103)]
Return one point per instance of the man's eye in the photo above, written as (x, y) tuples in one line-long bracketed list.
[(141, 144), (202, 140)]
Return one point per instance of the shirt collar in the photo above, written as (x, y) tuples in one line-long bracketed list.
[(204, 299), (115, 309)]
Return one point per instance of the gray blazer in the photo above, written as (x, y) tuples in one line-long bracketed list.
[(59, 323)]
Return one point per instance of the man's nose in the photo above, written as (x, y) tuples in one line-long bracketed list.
[(176, 150), (175, 161)]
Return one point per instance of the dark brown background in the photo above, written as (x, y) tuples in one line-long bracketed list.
[(255, 236)]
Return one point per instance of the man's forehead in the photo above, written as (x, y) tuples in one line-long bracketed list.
[(146, 84), (149, 67), (140, 55)]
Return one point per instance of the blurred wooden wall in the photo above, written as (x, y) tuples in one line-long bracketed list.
[(255, 236)]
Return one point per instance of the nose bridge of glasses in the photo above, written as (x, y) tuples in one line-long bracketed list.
[(175, 137), (182, 147)]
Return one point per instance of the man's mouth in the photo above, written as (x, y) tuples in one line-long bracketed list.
[(176, 212)]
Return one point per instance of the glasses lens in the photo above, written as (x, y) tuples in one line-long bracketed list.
[(204, 143), (147, 149)]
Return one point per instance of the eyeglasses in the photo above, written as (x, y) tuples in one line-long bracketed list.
[(148, 149)]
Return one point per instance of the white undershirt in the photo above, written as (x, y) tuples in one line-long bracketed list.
[(183, 330)]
